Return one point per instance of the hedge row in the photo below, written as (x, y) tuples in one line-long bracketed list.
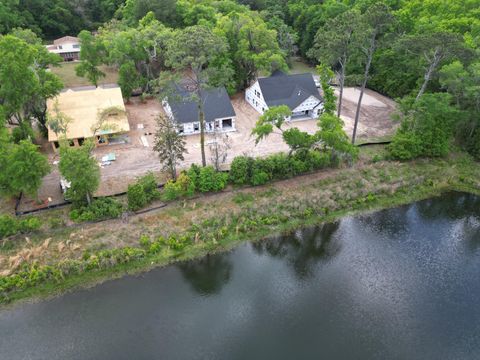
[(258, 171), (245, 171)]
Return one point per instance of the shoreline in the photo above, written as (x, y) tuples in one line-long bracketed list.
[(261, 229)]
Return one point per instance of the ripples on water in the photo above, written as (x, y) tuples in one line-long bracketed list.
[(397, 284)]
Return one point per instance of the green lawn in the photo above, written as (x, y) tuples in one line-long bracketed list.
[(66, 71), (299, 66)]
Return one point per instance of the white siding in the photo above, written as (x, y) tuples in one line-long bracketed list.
[(312, 105), (189, 128), (254, 96), (64, 48), (308, 104)]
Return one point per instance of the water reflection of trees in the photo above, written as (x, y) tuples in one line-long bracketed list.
[(303, 249), (471, 234), (451, 205), (388, 222), (207, 275), (462, 207)]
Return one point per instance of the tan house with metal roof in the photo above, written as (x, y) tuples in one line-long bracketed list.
[(94, 113), (68, 47)]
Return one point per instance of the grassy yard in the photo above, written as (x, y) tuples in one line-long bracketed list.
[(299, 66), (66, 71), (220, 221)]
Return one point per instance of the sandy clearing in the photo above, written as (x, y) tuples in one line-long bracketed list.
[(352, 93)]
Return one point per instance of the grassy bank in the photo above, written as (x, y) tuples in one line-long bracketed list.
[(196, 227)]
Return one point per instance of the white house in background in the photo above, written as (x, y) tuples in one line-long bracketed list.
[(219, 112), (298, 92), (68, 47)]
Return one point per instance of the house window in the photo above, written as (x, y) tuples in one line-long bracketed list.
[(76, 46), (226, 123), (196, 126), (181, 129), (257, 93), (60, 47)]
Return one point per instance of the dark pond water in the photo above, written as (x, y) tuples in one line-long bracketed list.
[(397, 284)]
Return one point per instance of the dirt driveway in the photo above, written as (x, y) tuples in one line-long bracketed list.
[(134, 159)]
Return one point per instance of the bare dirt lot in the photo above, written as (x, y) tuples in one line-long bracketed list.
[(375, 115), (134, 159)]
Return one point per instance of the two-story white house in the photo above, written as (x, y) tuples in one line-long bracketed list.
[(68, 47), (217, 107), (298, 92)]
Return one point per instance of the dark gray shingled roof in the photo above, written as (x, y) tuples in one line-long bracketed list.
[(290, 90), (216, 105)]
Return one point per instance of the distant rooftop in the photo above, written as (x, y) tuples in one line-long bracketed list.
[(66, 40)]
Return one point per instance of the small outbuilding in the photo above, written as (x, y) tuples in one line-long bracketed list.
[(68, 47), (299, 92), (97, 113), (218, 109)]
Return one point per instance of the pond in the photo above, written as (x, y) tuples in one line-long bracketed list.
[(402, 283)]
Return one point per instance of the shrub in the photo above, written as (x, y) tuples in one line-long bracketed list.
[(260, 178), (100, 209), (280, 166), (316, 160), (194, 173), (136, 197), (183, 187), (11, 226), (186, 185), (150, 187), (405, 146), (177, 243), (241, 170), (28, 224), (142, 192), (211, 180), (171, 191), (144, 241), (8, 226), (298, 166)]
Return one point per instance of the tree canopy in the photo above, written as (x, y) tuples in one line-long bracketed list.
[(81, 169), (25, 82)]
